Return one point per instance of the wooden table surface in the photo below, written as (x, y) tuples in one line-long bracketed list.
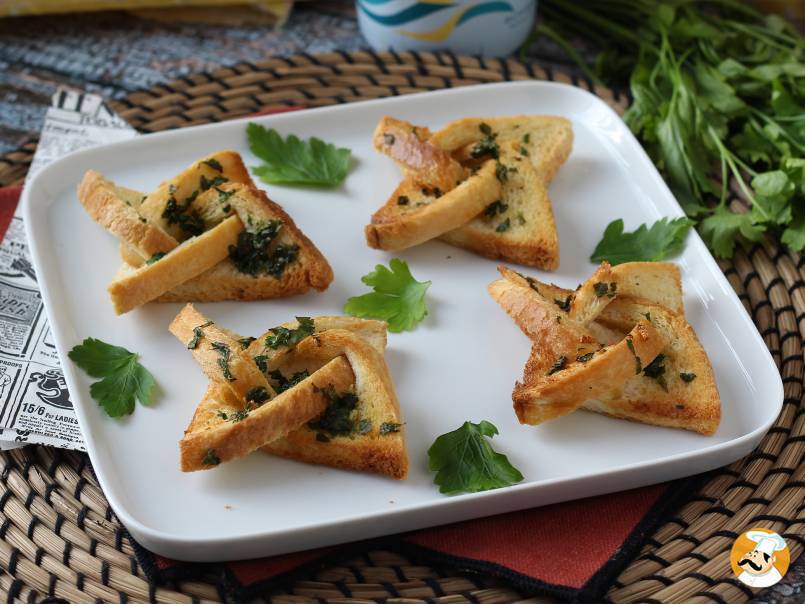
[(114, 53)]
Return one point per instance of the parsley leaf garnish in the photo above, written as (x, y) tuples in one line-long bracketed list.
[(663, 239), (297, 162), (123, 378), (397, 297), (465, 462)]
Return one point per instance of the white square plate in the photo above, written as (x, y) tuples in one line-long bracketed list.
[(459, 364)]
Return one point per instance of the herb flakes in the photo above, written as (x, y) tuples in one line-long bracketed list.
[(214, 164), (687, 377), (282, 336), (389, 428), (257, 395), (253, 255), (283, 383), (558, 365), (198, 333), (656, 371), (223, 360), (494, 208), (156, 257), (564, 304), (211, 458), (337, 419)]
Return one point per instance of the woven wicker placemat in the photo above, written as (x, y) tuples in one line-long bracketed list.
[(59, 537)]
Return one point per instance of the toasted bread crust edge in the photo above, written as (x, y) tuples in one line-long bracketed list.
[(99, 199)]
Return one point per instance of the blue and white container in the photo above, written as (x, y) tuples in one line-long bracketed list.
[(490, 28)]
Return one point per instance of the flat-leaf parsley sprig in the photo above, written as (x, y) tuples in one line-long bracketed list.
[(645, 244), (122, 381), (294, 161), (397, 298), (465, 462)]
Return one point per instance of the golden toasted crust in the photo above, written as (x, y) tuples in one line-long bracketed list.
[(549, 138), (544, 395), (108, 206), (191, 182), (228, 439), (408, 146), (131, 289), (521, 227), (191, 327), (391, 230), (370, 451)]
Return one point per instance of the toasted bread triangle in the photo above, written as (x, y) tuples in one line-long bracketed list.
[(224, 281), (672, 402), (344, 355), (378, 443), (518, 225)]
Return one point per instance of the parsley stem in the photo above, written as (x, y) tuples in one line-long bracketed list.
[(773, 122), (736, 172)]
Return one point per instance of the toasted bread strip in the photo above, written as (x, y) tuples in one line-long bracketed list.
[(539, 310), (210, 439), (195, 180), (454, 208), (408, 146), (547, 139), (373, 449), (192, 328), (658, 282), (544, 395), (109, 206), (191, 258)]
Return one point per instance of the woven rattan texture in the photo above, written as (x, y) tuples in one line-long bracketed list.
[(59, 537)]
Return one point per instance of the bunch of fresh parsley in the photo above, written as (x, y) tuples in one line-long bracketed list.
[(718, 98)]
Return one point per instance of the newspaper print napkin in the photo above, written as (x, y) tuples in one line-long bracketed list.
[(35, 404)]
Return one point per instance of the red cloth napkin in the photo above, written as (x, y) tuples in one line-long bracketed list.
[(571, 550)]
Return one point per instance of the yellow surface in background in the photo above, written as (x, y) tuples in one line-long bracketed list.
[(278, 8)]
